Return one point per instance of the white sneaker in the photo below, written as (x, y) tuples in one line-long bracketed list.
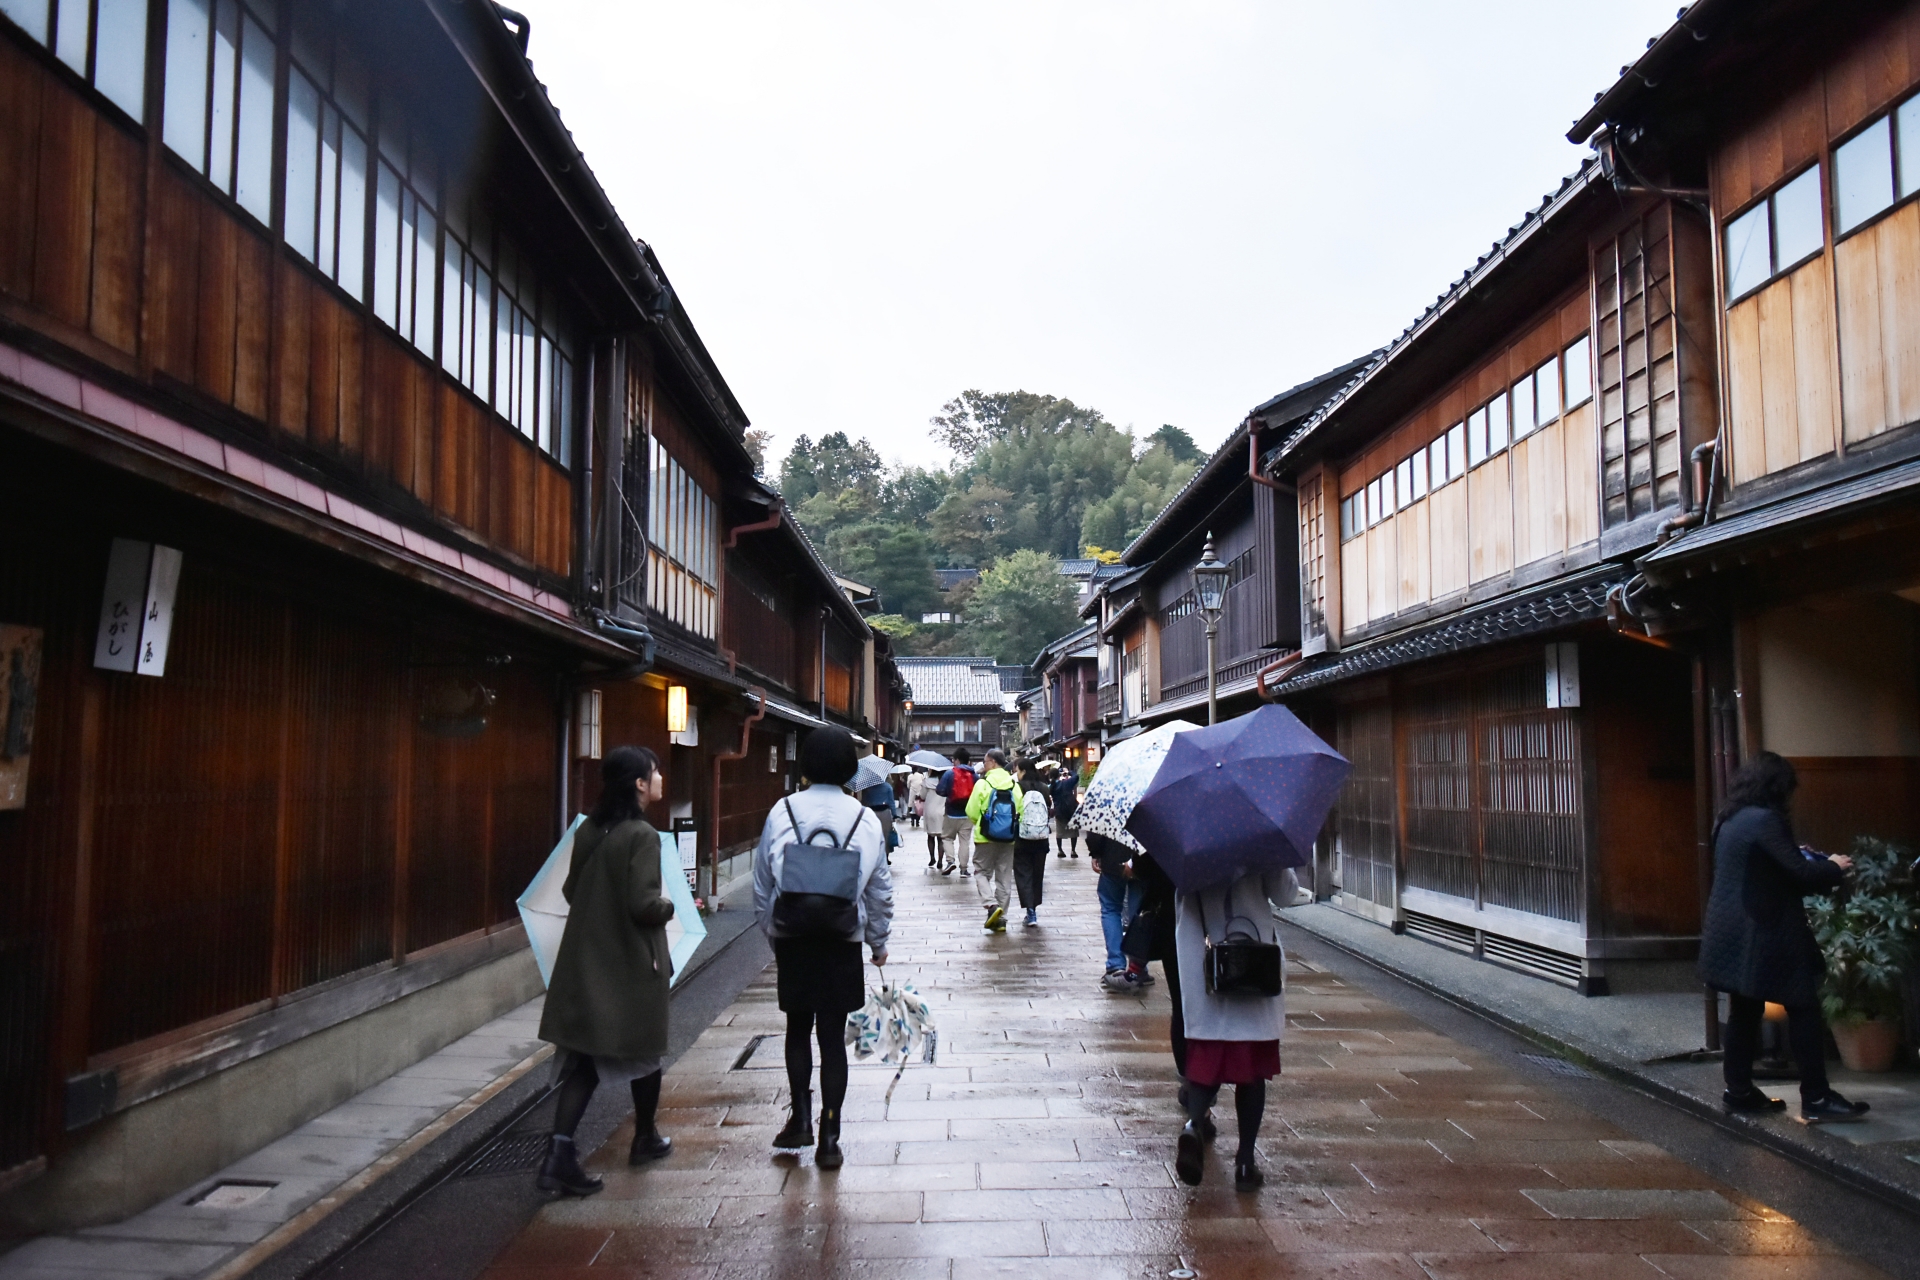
[(1116, 980)]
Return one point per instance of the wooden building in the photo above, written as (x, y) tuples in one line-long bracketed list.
[(350, 444), (1151, 665), (1796, 128), (961, 702), (1523, 777), (1067, 696)]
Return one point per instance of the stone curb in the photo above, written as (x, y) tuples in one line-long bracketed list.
[(1855, 1174)]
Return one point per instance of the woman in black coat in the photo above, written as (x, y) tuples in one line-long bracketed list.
[(1756, 944), (606, 1009)]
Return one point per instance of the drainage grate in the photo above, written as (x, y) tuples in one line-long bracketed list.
[(1558, 1066), (232, 1195), (515, 1153)]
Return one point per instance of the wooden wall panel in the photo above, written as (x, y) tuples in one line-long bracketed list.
[(1776, 144), (64, 221), (1490, 519), (416, 468), (119, 217), (1381, 577), (1883, 65), (293, 359), (1877, 286), (1581, 451), (323, 391), (19, 167), (1785, 407), (1746, 417), (1353, 585), (1449, 531), (1414, 577), (1539, 494), (173, 275), (218, 298), (1817, 399)]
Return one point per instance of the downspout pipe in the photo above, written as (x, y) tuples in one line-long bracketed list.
[(728, 757), (1253, 459), (1280, 668), (1696, 513), (775, 516), (639, 638)]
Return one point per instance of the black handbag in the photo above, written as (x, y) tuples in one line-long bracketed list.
[(1239, 964)]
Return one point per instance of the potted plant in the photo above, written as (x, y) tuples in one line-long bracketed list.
[(1866, 934)]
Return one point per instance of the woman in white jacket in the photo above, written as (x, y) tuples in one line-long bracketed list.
[(820, 979), (1231, 1039)]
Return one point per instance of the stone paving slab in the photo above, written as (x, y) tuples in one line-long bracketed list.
[(1040, 1145)]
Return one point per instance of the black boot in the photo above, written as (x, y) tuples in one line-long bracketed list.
[(648, 1144), (562, 1172), (799, 1131), (1246, 1173), (828, 1156)]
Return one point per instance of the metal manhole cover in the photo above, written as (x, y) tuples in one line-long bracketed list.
[(515, 1153), (1558, 1066)]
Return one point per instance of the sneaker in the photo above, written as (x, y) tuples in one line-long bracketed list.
[(947, 870), (1033, 918), (1833, 1109), (1139, 977), (1754, 1102), (996, 917), (1074, 854), (1115, 980), (965, 874)]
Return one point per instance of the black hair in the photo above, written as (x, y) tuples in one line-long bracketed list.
[(623, 768), (1767, 781), (960, 756), (828, 756)]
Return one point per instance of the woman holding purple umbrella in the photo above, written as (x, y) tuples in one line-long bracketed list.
[(1233, 1035)]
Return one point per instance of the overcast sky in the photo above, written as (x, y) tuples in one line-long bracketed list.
[(1166, 211)]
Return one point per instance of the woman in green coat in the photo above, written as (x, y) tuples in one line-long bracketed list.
[(606, 1008)]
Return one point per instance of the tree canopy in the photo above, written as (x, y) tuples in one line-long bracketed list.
[(1034, 476)]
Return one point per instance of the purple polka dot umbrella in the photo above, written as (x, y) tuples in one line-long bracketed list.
[(1250, 794)]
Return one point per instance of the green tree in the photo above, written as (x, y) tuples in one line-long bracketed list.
[(1124, 513), (1020, 603), (969, 524), (832, 467), (896, 561), (1178, 443), (755, 441)]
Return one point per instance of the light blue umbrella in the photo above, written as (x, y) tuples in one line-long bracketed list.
[(871, 773), (543, 906)]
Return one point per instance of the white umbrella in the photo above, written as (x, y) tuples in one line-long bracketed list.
[(1123, 777), (893, 1023), (929, 760), (543, 906), (899, 769), (871, 773)]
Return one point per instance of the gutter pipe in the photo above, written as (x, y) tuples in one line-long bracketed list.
[(728, 757), (776, 514), (1281, 667), (1253, 459), (1696, 514)]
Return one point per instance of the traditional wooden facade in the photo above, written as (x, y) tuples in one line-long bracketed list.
[(1065, 720), (351, 444), (1797, 589), (1522, 782)]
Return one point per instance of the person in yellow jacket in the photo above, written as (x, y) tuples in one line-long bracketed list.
[(994, 810)]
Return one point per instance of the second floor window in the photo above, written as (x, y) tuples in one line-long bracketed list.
[(326, 201), (104, 41), (1775, 235), (220, 96), (682, 528), (406, 238)]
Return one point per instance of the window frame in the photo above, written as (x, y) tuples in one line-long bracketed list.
[(1891, 114), (86, 75), (1776, 269)]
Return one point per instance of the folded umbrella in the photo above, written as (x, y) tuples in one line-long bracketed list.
[(543, 905), (929, 760), (893, 1023), (1123, 777), (1250, 794)]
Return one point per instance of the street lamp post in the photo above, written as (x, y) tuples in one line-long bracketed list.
[(1210, 589)]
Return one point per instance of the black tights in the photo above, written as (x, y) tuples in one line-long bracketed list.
[(833, 1060), (1249, 1106), (1806, 1036), (576, 1090)]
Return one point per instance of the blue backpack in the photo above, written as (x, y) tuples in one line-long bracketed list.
[(1000, 821)]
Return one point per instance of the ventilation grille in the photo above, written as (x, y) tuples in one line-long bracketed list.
[(1458, 937), (515, 1153), (1555, 966)]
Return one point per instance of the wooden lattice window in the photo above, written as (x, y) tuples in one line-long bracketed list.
[(1313, 559), (1640, 449)]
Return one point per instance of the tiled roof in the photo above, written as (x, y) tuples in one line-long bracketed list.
[(951, 578), (953, 682)]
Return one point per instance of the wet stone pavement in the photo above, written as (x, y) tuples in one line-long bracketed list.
[(1040, 1144)]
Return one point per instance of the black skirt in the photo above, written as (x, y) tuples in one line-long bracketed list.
[(819, 977)]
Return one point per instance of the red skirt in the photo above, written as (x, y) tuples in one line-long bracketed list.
[(1215, 1062)]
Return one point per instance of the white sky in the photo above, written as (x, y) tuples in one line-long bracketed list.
[(1166, 211)]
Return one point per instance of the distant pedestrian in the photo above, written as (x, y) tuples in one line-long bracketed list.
[(1229, 1038), (994, 811), (916, 796), (955, 788), (1119, 896), (606, 1009), (816, 934), (1030, 844), (1066, 802), (1756, 944)]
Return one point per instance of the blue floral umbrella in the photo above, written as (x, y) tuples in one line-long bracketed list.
[(1247, 795)]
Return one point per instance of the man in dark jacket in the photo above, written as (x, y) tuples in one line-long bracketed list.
[(1065, 791), (1756, 944)]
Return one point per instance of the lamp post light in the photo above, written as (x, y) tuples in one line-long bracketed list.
[(1210, 588)]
